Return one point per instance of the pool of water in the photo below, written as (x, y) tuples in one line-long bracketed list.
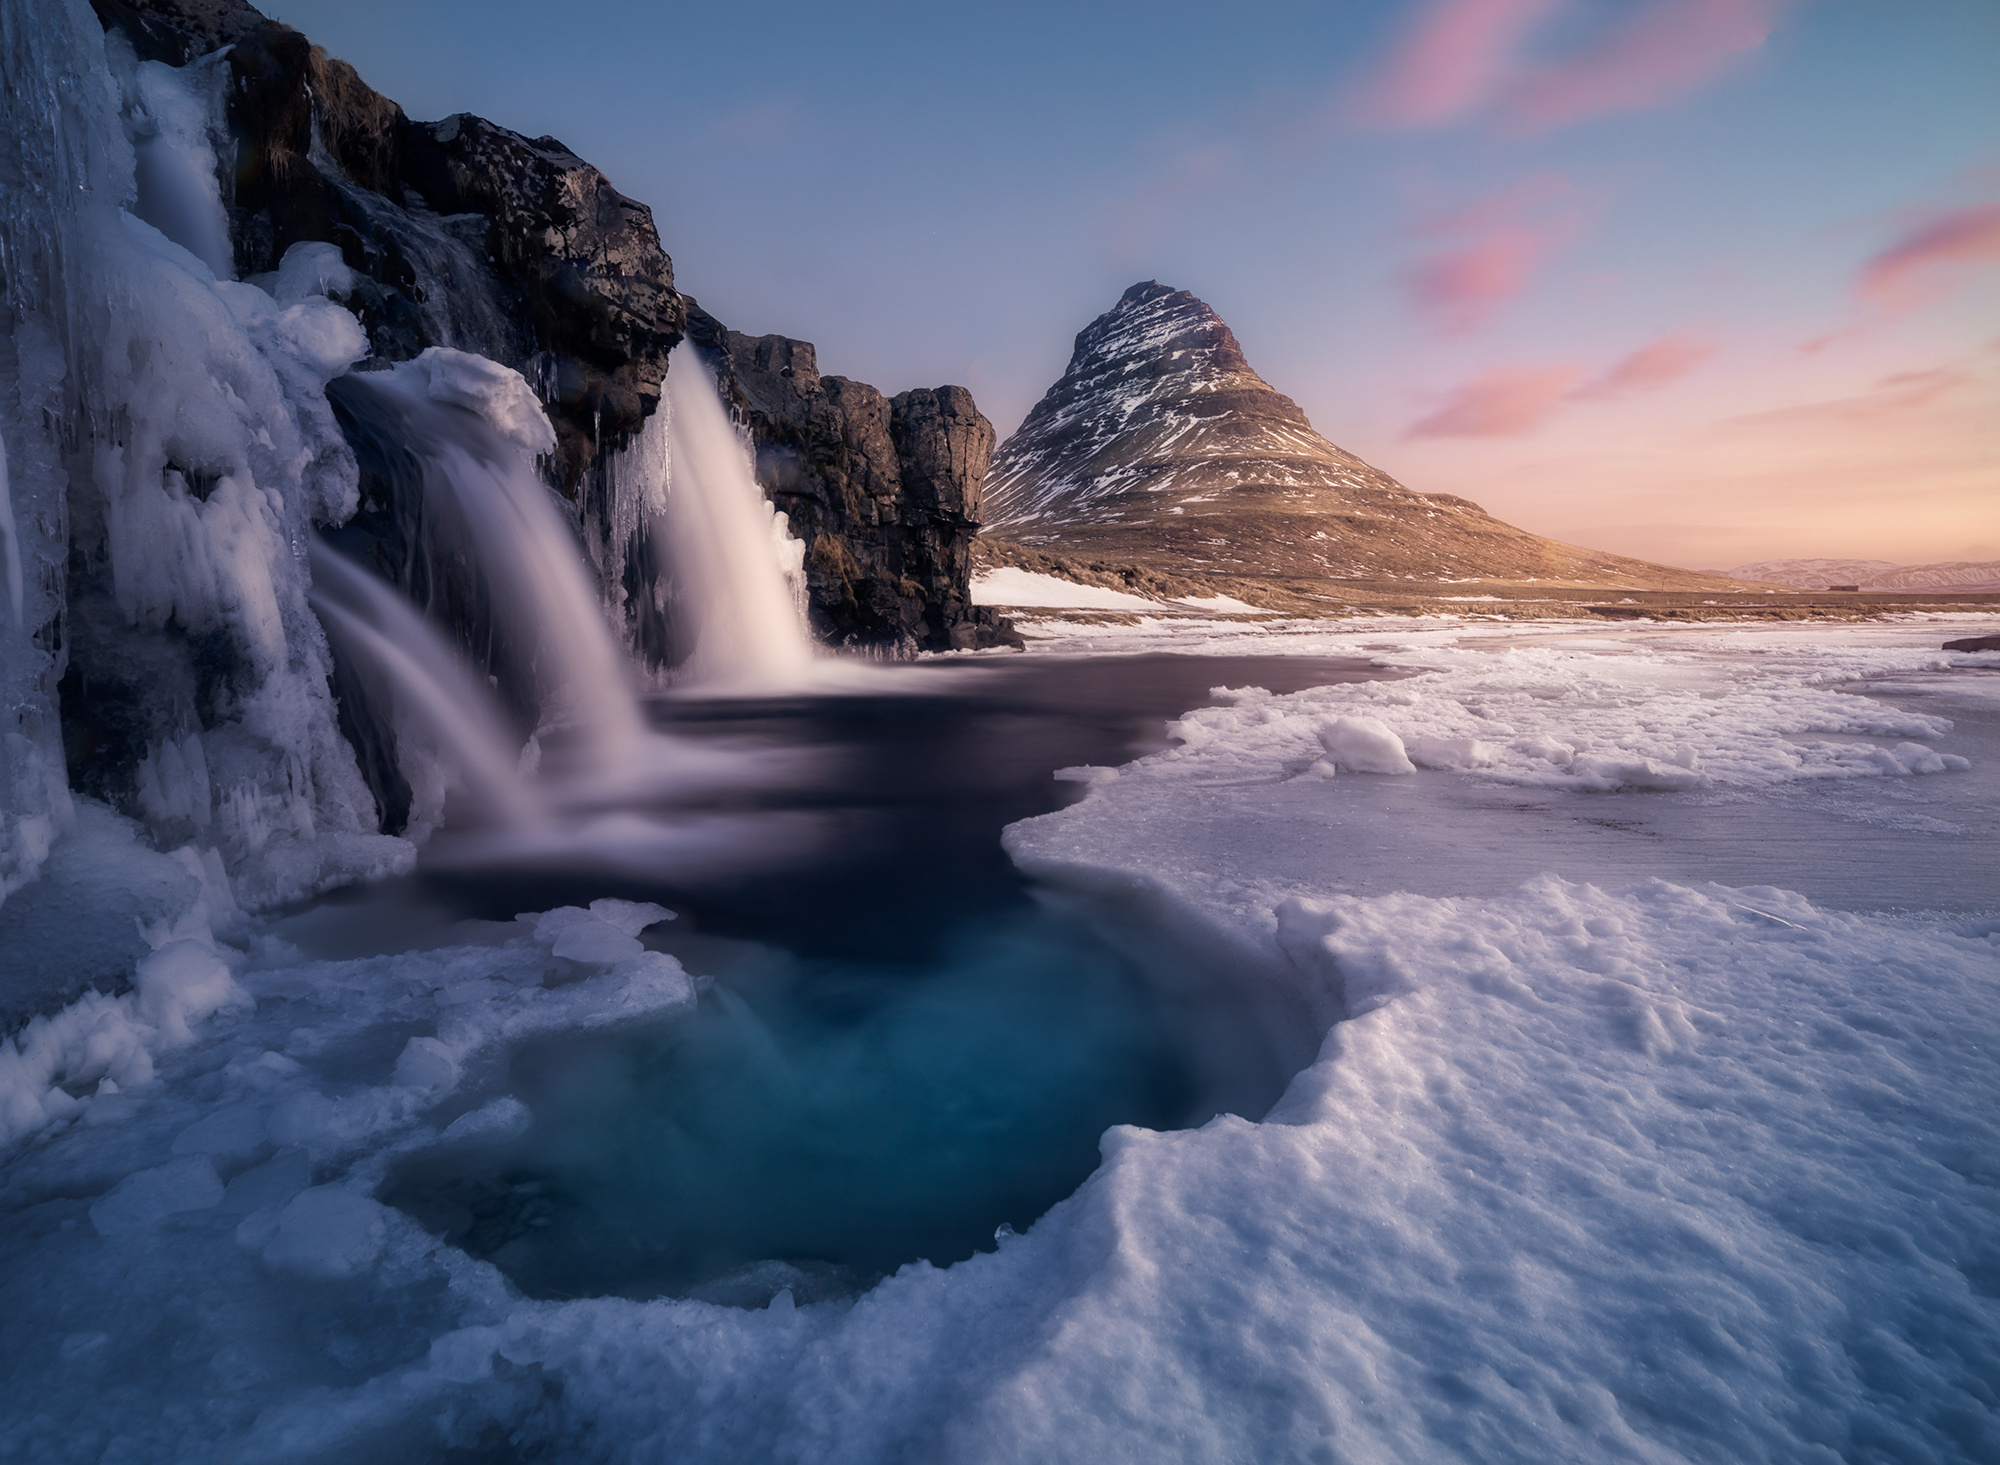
[(899, 1051)]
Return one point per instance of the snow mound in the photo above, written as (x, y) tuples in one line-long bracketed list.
[(1017, 587)]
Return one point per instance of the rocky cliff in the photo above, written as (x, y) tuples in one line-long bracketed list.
[(1161, 446), (461, 233), (883, 491)]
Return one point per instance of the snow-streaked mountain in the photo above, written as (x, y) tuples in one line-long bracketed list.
[(1161, 444), (1875, 574)]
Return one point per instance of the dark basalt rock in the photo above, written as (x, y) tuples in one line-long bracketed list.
[(1974, 643), (465, 234), (885, 492)]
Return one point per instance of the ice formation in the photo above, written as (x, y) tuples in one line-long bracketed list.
[(1644, 1172), (171, 424)]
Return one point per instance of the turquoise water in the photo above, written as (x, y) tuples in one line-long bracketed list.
[(814, 1125)]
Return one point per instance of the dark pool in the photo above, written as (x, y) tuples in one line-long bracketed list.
[(900, 1052)]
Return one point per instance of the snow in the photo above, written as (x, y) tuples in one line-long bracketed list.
[(1587, 1154), (1224, 603), (1012, 586), (1624, 1169)]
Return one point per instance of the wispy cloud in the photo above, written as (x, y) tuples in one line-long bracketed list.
[(1648, 369), (1505, 402), (1464, 57), (1899, 395), (1510, 401), (1451, 61), (1495, 246), (1931, 255), (1665, 51)]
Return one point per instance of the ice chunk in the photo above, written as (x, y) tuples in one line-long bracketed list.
[(497, 393), (602, 935), (1364, 745), (325, 337), (429, 1065), (236, 1130), (1609, 771), (269, 1185), (153, 1195), (324, 1232), (1437, 752), (184, 980), (312, 268)]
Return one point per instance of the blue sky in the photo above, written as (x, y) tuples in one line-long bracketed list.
[(1701, 280)]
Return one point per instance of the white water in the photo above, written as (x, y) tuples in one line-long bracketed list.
[(595, 787), (476, 427), (442, 708), (730, 551)]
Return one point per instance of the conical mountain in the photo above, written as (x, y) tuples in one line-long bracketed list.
[(1161, 445)]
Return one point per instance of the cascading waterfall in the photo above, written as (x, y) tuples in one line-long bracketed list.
[(443, 709), (593, 785), (732, 558), (476, 427)]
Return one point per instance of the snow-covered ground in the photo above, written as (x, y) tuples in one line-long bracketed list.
[(1011, 586), (1590, 1155)]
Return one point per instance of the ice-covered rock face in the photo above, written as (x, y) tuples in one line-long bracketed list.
[(170, 450)]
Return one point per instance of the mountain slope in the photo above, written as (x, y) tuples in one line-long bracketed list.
[(1875, 574), (1161, 444)]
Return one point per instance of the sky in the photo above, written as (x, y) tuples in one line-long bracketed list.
[(1702, 281)]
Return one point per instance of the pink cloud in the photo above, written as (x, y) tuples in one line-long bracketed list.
[(1648, 369), (1665, 51), (1899, 395), (1464, 56), (1501, 239), (1505, 402), (1451, 61), (1922, 263)]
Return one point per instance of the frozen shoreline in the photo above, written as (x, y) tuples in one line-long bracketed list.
[(1608, 1167)]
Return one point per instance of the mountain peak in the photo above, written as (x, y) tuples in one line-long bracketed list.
[(1159, 443), (1158, 398)]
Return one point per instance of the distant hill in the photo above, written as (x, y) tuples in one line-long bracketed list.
[(1875, 574), (1160, 445)]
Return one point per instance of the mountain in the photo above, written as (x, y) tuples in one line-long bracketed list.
[(1875, 574), (1161, 445)]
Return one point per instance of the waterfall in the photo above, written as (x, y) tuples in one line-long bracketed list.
[(444, 716), (475, 428), (738, 570), (594, 786)]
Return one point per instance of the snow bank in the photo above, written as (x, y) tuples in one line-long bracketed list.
[(1577, 718), (1017, 587), (1650, 1174)]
